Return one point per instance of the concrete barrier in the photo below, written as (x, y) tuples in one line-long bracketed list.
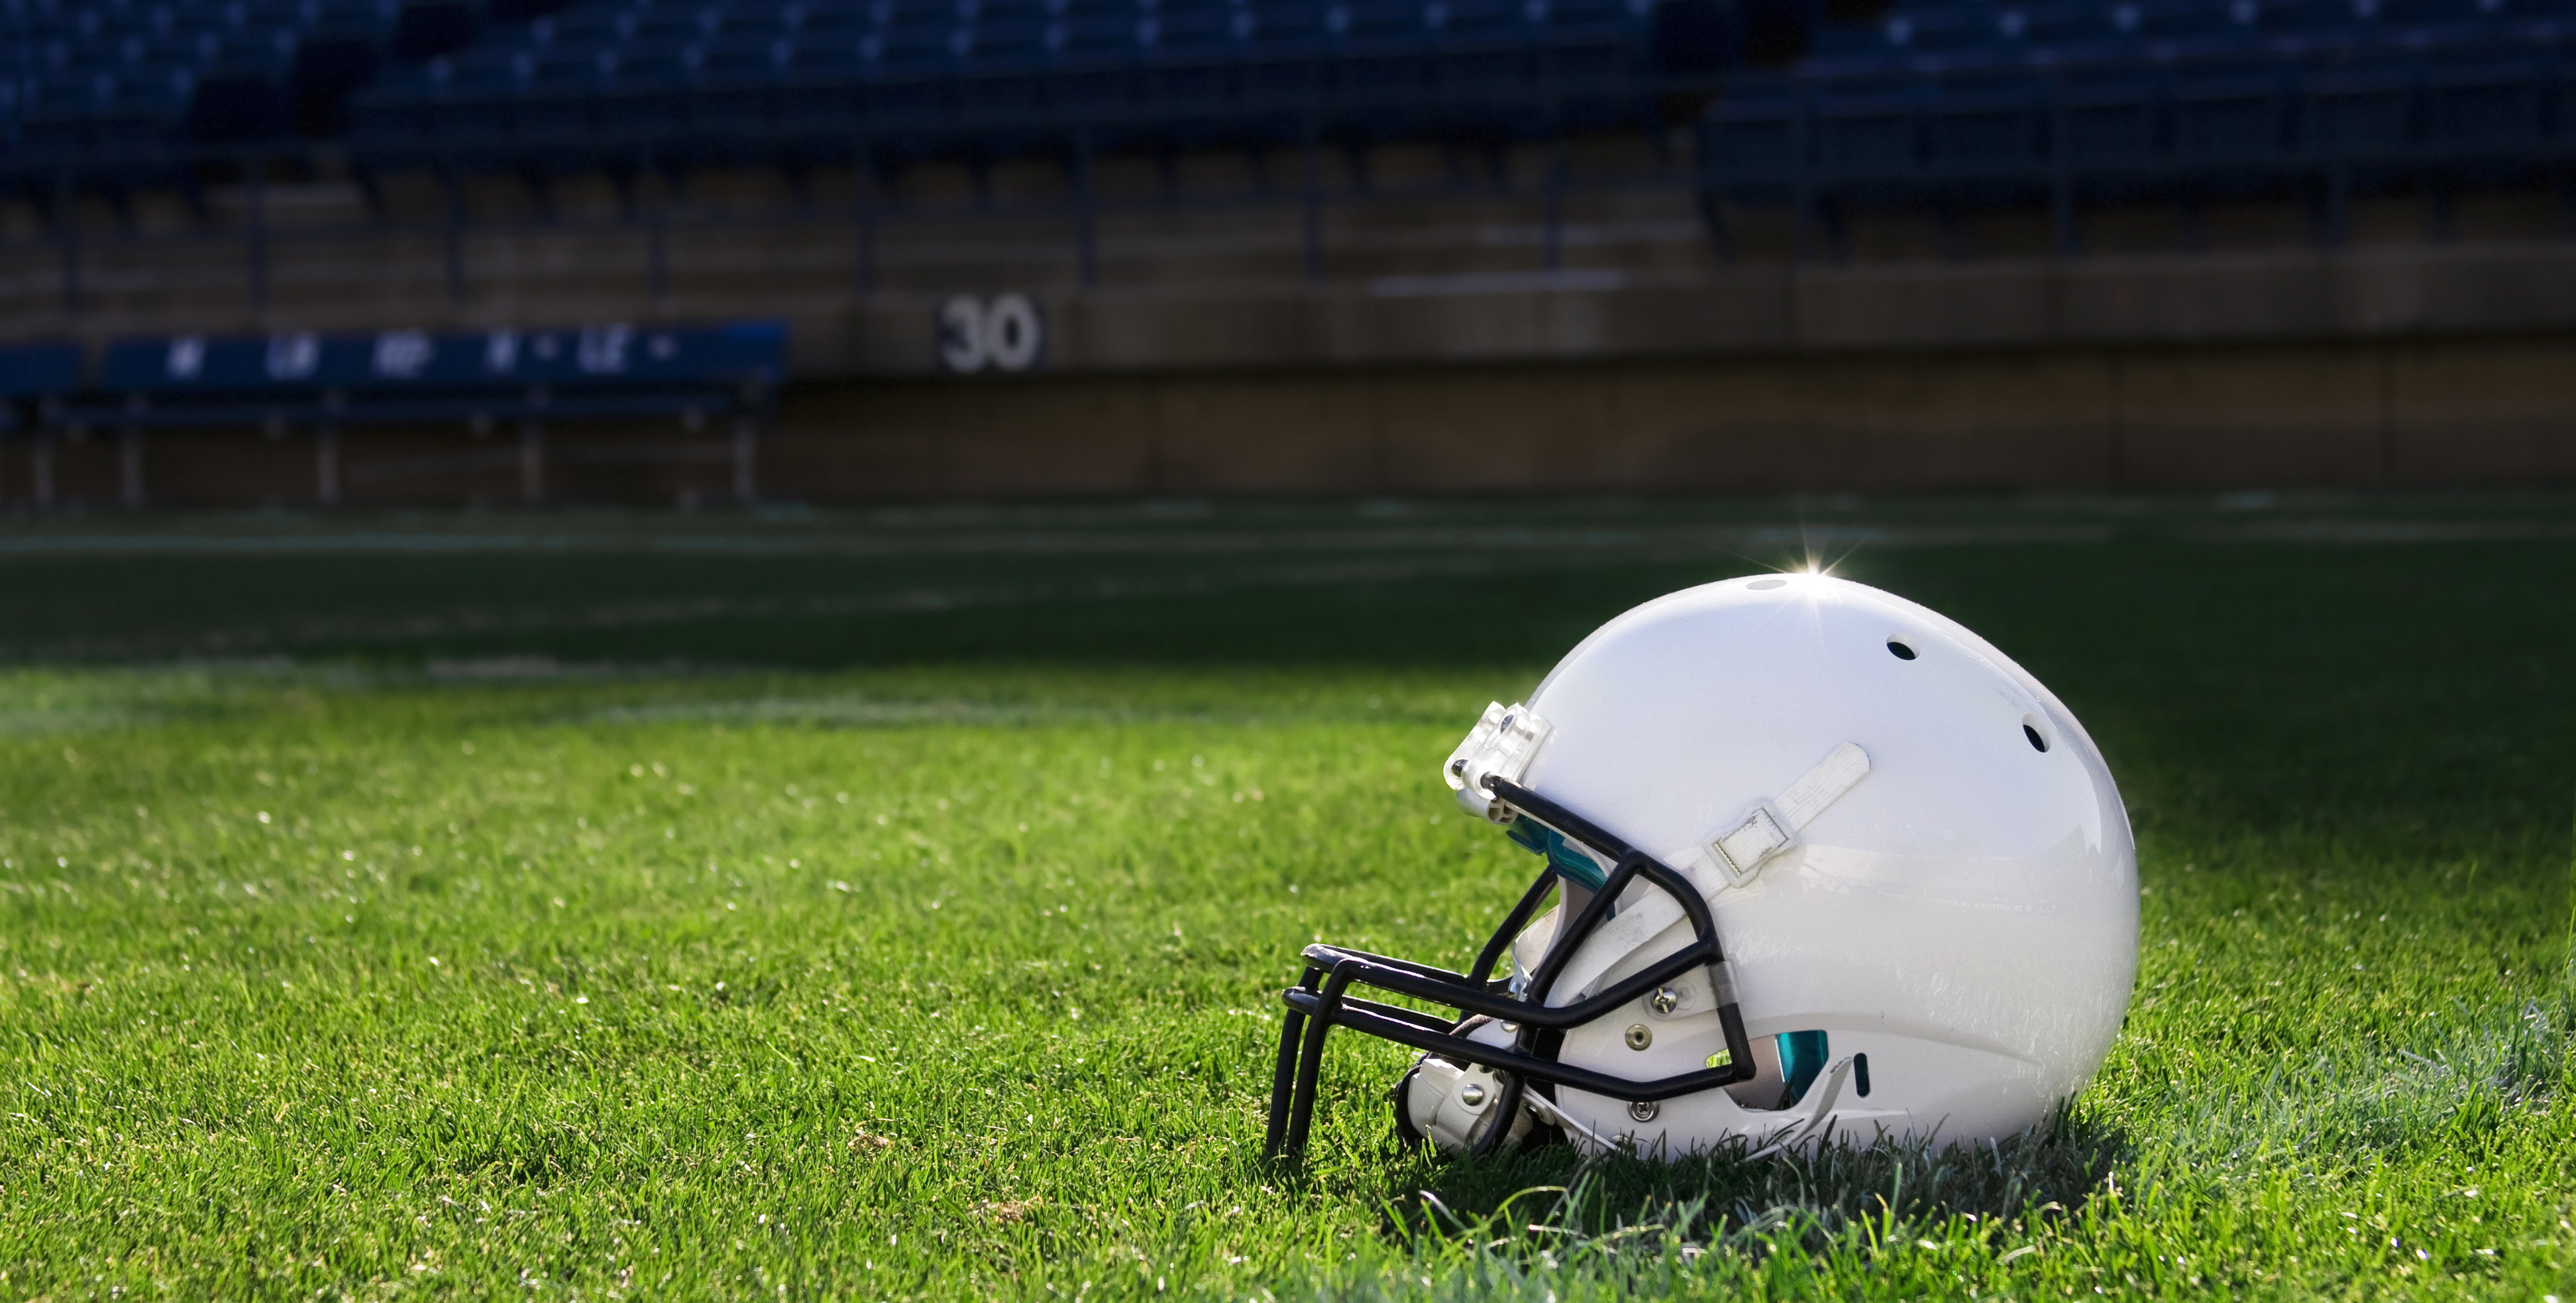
[(1442, 350), (2187, 299), (2497, 410)]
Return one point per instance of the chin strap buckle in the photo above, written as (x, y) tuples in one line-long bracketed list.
[(1740, 852), (1501, 746)]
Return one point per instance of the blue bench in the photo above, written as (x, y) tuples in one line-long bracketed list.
[(36, 381), (327, 384)]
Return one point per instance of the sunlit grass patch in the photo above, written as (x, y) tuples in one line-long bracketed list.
[(660, 974)]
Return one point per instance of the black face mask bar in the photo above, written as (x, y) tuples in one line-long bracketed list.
[(1319, 1002)]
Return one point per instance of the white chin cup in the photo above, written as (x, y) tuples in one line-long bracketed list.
[(1453, 1107)]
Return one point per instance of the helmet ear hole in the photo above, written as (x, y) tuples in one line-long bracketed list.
[(1803, 1055)]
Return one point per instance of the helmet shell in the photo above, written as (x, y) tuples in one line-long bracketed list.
[(1966, 914)]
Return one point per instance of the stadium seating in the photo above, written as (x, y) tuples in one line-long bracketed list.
[(655, 81), (327, 384), (1930, 103), (100, 86), (1967, 102), (35, 381), (94, 91)]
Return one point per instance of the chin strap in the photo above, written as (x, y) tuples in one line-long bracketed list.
[(1772, 825), (1545, 1107)]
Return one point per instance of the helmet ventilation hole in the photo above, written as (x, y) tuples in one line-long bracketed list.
[(1898, 648), (2030, 729), (1760, 584)]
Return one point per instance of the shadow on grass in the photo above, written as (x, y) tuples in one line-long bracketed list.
[(1553, 1201)]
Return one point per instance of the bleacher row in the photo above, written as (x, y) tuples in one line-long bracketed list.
[(726, 376), (1001, 77), (124, 80), (97, 85), (1946, 102), (2059, 103)]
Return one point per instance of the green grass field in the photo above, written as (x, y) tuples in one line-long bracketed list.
[(894, 904)]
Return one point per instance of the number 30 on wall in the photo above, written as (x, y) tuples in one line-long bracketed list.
[(1002, 333)]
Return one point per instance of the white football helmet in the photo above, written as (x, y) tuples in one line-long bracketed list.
[(1915, 860)]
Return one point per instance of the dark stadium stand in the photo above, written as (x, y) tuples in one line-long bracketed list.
[(654, 81), (1954, 105), (112, 97), (326, 384), (134, 84), (1331, 196), (1938, 103), (116, 92)]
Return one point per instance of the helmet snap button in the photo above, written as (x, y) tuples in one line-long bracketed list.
[(1666, 1000), (1639, 1036), (1472, 1095), (1644, 1110)]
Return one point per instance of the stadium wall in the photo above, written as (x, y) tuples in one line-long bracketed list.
[(2486, 410), (2478, 410), (1456, 345), (1614, 311)]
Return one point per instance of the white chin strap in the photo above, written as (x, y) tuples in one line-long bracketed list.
[(1739, 854), (1772, 825), (1547, 1108)]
